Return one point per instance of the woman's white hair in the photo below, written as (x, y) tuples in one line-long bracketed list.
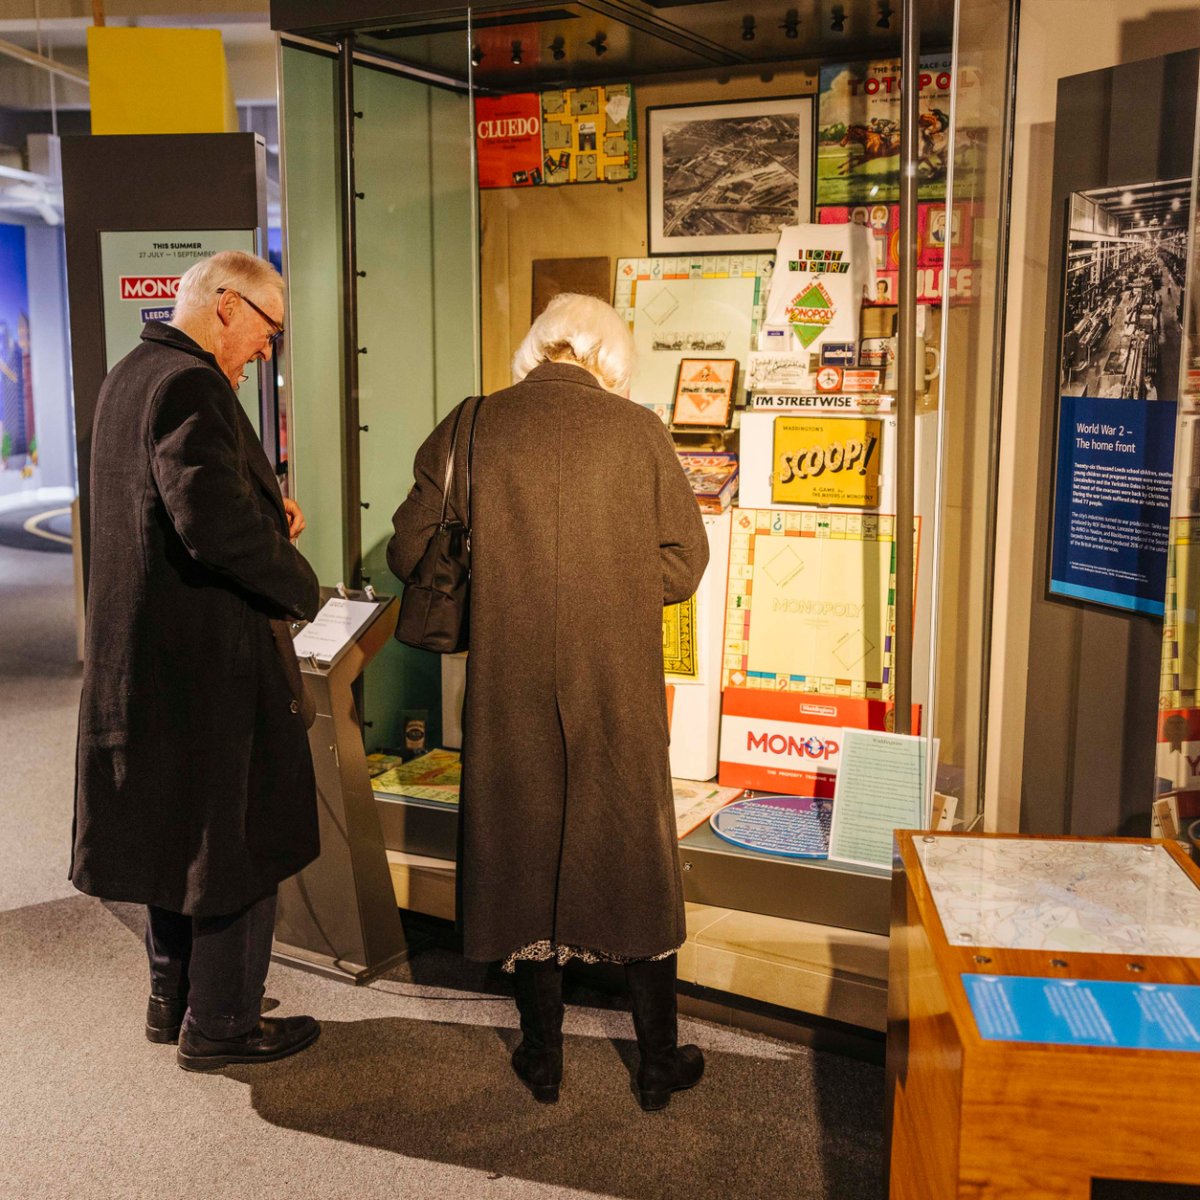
[(581, 330), (243, 273)]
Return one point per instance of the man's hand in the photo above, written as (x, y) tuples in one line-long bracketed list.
[(295, 518)]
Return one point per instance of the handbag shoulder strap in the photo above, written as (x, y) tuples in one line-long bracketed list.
[(449, 476), (471, 456)]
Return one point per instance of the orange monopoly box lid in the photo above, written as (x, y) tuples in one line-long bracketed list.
[(790, 742), (508, 140)]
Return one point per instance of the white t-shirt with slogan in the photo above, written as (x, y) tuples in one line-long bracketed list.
[(821, 274)]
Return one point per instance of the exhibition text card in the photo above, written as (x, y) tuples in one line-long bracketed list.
[(1112, 502), (881, 785)]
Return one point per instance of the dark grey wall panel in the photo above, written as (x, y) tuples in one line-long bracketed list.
[(1093, 676), (168, 181)]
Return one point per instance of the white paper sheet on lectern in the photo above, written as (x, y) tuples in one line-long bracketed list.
[(334, 627)]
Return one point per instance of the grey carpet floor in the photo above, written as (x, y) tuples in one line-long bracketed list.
[(408, 1093), (39, 699)]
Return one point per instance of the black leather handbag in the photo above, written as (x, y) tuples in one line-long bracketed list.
[(435, 605)]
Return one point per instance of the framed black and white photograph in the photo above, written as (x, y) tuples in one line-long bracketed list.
[(724, 177)]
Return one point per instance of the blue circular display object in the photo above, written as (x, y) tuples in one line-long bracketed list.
[(789, 826)]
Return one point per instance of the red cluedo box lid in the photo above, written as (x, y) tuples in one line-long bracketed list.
[(508, 139)]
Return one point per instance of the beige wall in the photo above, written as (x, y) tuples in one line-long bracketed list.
[(519, 225), (1057, 38)]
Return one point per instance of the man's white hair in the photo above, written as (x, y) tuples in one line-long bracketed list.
[(581, 330), (243, 273)]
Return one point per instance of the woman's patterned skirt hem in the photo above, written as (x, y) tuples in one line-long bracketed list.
[(544, 951)]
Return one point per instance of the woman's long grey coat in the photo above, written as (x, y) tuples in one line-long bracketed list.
[(584, 527)]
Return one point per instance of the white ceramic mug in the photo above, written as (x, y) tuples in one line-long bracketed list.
[(929, 359), (880, 354)]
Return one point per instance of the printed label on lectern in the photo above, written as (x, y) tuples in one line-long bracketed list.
[(333, 629)]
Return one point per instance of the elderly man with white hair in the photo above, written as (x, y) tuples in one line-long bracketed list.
[(194, 784), (583, 528)]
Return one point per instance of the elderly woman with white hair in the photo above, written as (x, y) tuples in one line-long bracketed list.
[(583, 528)]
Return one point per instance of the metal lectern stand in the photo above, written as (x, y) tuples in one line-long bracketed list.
[(338, 916)]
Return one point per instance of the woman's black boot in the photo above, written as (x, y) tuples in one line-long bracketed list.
[(538, 1059), (665, 1067)]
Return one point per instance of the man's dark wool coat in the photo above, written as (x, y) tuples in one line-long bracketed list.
[(194, 782), (584, 527)]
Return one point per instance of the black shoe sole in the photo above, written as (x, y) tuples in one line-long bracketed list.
[(214, 1062), (653, 1101), (162, 1036), (543, 1093)]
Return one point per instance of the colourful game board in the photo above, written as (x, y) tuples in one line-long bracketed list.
[(811, 603), (699, 306)]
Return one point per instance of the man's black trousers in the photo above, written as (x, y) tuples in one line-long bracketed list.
[(218, 964)]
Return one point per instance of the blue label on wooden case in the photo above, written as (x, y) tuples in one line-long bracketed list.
[(1085, 1012)]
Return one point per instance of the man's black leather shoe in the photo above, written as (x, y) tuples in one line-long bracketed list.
[(271, 1039), (164, 1015)]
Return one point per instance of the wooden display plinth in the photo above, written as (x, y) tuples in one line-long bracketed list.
[(1022, 1120)]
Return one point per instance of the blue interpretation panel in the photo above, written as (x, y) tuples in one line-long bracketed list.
[(1085, 1012)]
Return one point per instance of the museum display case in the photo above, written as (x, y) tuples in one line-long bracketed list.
[(650, 156)]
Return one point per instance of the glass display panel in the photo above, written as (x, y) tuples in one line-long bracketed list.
[(675, 301), (475, 207), (1176, 811), (313, 275), (416, 305), (964, 239), (1102, 167)]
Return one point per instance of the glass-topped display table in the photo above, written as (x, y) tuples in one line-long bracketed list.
[(1044, 1016)]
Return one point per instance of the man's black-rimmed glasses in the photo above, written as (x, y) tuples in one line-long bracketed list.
[(271, 324)]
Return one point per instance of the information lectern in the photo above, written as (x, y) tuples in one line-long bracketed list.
[(338, 916), (1044, 1019)]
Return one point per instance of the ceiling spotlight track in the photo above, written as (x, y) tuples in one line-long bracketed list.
[(645, 16)]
